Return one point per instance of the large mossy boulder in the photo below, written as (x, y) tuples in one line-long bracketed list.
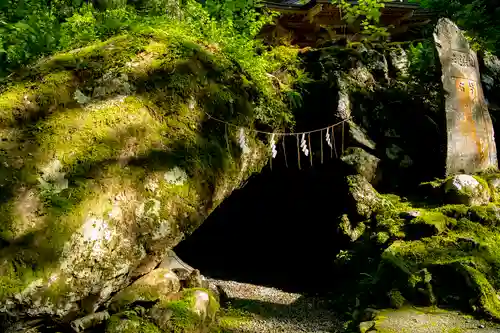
[(467, 190), (108, 159)]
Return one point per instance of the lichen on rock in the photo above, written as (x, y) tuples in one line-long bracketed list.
[(363, 197)]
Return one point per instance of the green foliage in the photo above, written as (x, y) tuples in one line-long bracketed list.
[(80, 28), (367, 14), (22, 40), (424, 81), (423, 60), (480, 18), (245, 16)]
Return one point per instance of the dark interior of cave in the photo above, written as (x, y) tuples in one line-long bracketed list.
[(278, 230)]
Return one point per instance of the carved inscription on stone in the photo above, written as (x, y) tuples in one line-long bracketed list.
[(462, 59), (470, 136)]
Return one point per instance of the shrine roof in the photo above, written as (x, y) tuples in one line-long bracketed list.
[(306, 4)]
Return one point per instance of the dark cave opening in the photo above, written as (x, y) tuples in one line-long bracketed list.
[(278, 230)]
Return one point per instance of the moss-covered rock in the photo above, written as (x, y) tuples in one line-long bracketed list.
[(461, 263), (363, 163), (157, 284), (429, 255), (191, 311), (493, 181), (354, 232), (108, 159), (89, 321), (467, 190), (363, 198), (396, 298)]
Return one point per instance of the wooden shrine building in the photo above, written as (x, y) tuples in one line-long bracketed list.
[(312, 22)]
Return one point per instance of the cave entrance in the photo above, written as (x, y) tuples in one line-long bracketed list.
[(278, 230)]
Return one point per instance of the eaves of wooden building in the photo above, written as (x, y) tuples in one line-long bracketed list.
[(317, 21)]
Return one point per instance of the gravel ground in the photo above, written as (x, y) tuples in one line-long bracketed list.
[(257, 309)]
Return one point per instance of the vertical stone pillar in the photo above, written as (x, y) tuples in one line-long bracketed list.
[(471, 140)]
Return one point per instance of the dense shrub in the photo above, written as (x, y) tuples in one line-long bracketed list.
[(31, 29), (480, 18)]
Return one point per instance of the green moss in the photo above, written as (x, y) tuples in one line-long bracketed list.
[(456, 330), (454, 211), (488, 215), (98, 57), (396, 298), (11, 101), (231, 319), (388, 219), (130, 295), (412, 319), (129, 322), (21, 102), (436, 183), (183, 319), (431, 222), (106, 132), (487, 295), (470, 250), (382, 237), (482, 181)]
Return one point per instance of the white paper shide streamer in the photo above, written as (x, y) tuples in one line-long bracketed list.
[(328, 138), (303, 145), (273, 146), (243, 142)]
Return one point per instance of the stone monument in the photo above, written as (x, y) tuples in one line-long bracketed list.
[(470, 138)]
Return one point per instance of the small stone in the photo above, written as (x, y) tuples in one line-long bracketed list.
[(81, 98), (353, 231), (394, 152), (363, 163), (92, 320), (364, 199), (356, 135), (195, 280), (410, 215), (481, 326), (366, 326), (467, 190)]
